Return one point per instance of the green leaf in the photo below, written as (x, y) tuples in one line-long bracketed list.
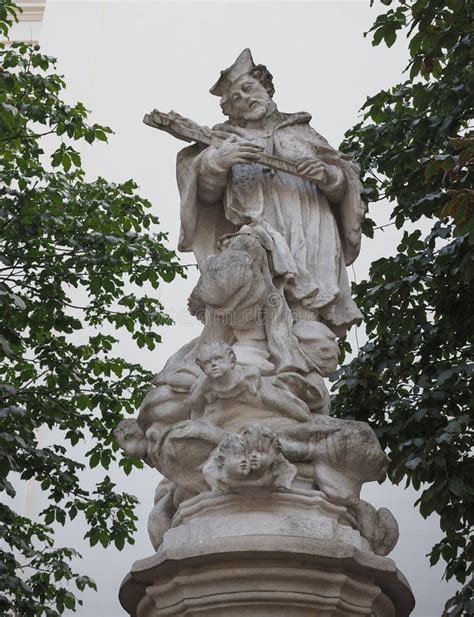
[(411, 380)]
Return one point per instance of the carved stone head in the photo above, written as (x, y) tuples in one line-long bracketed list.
[(263, 448), (246, 100), (232, 457), (245, 89), (216, 359), (248, 461), (131, 438)]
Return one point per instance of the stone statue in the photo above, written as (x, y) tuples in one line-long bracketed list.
[(379, 527), (238, 420), (131, 438), (311, 228), (222, 379), (247, 461)]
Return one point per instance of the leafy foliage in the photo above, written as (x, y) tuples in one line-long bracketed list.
[(71, 251), (412, 381)]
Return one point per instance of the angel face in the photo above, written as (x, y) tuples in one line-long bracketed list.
[(216, 359), (236, 465), (235, 462), (262, 448), (131, 438), (261, 460)]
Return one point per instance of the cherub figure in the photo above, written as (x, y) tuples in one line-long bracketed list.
[(246, 460), (223, 378), (228, 465), (268, 466), (131, 438)]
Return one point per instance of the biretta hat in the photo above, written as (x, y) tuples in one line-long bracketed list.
[(241, 66)]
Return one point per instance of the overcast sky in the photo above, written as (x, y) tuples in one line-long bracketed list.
[(124, 58)]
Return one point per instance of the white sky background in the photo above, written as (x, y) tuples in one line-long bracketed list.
[(124, 58)]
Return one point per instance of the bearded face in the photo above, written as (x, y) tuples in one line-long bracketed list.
[(246, 100)]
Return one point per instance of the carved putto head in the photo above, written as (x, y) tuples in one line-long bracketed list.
[(216, 359), (131, 438), (232, 457), (249, 460), (263, 448)]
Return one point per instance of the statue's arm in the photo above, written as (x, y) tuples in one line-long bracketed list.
[(334, 183), (218, 160), (196, 400), (212, 177), (329, 177)]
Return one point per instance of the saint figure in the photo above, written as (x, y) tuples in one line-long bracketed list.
[(309, 225)]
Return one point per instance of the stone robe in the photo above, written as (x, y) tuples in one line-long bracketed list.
[(311, 232)]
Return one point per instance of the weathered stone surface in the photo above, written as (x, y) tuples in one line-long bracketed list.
[(256, 576), (271, 552), (161, 516), (299, 513), (379, 527), (130, 437), (273, 215), (249, 461), (347, 458), (342, 454)]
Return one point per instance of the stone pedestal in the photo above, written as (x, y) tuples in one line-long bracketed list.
[(275, 554)]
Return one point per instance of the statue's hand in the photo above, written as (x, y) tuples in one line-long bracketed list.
[(313, 170), (234, 151)]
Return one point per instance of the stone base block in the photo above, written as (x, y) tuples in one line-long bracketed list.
[(266, 576), (301, 513), (289, 555)]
